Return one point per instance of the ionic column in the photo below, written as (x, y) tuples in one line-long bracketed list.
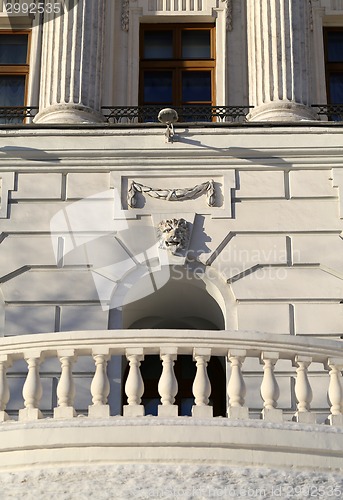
[(278, 48), (71, 74)]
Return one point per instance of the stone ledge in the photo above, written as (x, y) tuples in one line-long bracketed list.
[(117, 440)]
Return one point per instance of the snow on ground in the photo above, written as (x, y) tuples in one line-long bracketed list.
[(158, 481)]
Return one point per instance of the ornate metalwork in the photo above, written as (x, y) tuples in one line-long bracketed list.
[(174, 194), (17, 114), (333, 112), (190, 113)]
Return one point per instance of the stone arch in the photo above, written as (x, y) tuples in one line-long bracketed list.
[(196, 297)]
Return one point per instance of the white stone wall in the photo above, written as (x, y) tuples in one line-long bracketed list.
[(271, 244)]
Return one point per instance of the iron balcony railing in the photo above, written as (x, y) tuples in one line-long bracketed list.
[(332, 112), (149, 113), (190, 113), (17, 114)]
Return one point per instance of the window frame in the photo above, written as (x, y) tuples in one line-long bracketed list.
[(177, 64), (330, 67), (18, 69)]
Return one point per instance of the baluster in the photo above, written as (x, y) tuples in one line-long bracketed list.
[(201, 385), (335, 392), (270, 391), (303, 391), (4, 389), (66, 387), (100, 386), (167, 385), (134, 387), (236, 387), (32, 390)]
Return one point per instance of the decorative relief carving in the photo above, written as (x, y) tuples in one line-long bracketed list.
[(229, 14), (125, 15), (173, 234), (175, 194), (154, 7), (310, 8)]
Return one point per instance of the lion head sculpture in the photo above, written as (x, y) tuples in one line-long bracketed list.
[(173, 234)]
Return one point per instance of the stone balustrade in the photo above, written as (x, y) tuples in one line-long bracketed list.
[(236, 347)]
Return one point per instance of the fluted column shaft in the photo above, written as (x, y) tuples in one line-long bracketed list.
[(71, 75), (278, 47)]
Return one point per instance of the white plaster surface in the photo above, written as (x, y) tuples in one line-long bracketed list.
[(261, 184), (319, 319), (30, 186), (311, 183), (273, 318)]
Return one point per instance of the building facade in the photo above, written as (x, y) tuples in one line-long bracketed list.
[(188, 267)]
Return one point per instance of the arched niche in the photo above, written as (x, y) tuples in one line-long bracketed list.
[(179, 297)]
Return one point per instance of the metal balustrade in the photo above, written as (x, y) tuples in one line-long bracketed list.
[(236, 347), (187, 114), (17, 114), (331, 112), (149, 113)]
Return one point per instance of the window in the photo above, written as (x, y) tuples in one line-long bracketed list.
[(14, 68), (177, 65), (333, 45)]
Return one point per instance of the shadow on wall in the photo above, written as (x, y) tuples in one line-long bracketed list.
[(30, 154)]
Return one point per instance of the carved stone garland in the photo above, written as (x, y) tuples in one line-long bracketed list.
[(175, 194)]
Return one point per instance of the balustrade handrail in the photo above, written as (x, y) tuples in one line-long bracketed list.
[(236, 346), (117, 341)]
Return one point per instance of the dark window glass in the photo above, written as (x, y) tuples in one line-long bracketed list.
[(151, 406), (12, 90), (158, 44), (13, 49), (196, 44), (196, 86), (158, 87), (335, 46), (336, 88), (186, 406)]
